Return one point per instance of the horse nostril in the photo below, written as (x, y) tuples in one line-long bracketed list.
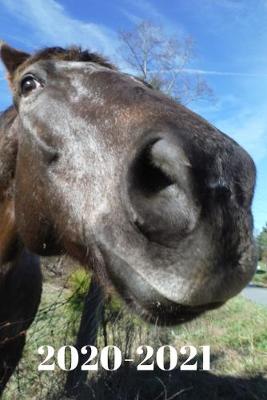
[(147, 177), (54, 157), (220, 189), (49, 154), (160, 187)]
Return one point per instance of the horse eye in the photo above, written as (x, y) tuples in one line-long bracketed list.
[(28, 84)]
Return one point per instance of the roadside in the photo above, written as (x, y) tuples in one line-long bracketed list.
[(256, 294)]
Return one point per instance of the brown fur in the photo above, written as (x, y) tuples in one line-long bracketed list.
[(7, 228)]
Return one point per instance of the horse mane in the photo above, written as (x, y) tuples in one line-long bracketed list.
[(72, 53)]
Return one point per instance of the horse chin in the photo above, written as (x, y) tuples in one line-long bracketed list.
[(154, 307), (167, 313), (143, 296), (159, 309)]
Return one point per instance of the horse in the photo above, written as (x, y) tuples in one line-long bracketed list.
[(20, 275), (149, 195)]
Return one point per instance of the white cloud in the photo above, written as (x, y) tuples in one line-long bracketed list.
[(144, 9), (147, 8), (194, 71), (224, 73), (52, 25), (131, 16)]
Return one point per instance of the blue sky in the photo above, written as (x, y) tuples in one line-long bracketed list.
[(231, 47)]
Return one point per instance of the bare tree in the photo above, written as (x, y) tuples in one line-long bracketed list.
[(164, 62)]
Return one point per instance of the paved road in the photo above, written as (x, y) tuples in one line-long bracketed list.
[(256, 294)]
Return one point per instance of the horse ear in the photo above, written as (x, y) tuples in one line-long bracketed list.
[(12, 58)]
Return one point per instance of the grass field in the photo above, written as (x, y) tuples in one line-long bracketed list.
[(236, 333)]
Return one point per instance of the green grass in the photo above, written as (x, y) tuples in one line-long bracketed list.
[(260, 279), (237, 336), (236, 333)]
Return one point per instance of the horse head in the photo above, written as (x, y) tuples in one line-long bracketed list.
[(147, 193)]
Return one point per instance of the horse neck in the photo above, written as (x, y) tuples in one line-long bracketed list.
[(8, 232)]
